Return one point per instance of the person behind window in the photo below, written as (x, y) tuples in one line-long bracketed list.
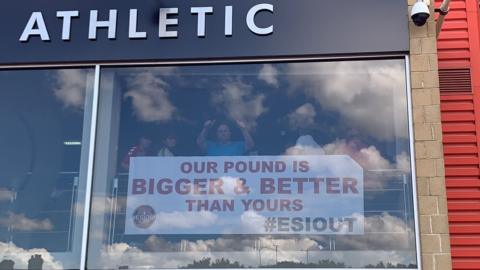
[(142, 148), (168, 146), (224, 146)]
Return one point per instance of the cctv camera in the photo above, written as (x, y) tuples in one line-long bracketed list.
[(420, 13)]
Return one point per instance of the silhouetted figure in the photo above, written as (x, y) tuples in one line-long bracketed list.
[(142, 148), (224, 146), (168, 146), (7, 265), (35, 262)]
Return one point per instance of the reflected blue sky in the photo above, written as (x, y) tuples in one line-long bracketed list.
[(41, 115), (278, 103)]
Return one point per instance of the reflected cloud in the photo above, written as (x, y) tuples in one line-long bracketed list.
[(150, 96), (385, 223), (403, 162), (154, 243), (70, 87), (20, 222), (6, 195), (302, 117), (252, 222), (229, 184), (158, 71), (21, 256), (241, 249), (269, 74), (387, 232), (367, 156), (250, 251), (239, 102), (102, 205), (305, 145), (366, 95)]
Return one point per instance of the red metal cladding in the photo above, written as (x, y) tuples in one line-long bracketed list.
[(453, 41), (459, 71)]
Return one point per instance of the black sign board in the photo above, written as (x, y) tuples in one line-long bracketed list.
[(74, 31)]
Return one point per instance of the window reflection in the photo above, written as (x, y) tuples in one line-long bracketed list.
[(310, 110), (42, 177)]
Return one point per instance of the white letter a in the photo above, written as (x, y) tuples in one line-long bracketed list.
[(29, 30)]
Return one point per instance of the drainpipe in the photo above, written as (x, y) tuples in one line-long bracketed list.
[(443, 10)]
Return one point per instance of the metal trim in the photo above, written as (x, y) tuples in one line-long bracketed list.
[(412, 162), (210, 61), (91, 156)]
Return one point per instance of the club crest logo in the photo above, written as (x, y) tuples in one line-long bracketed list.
[(144, 216)]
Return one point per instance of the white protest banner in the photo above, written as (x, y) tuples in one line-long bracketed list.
[(245, 195)]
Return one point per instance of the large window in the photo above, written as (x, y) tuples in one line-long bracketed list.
[(298, 164), (44, 127)]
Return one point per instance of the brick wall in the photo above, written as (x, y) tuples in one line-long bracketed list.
[(432, 202)]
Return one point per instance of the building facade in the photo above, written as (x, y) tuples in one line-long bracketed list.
[(221, 135)]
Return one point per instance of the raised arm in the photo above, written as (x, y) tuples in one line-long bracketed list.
[(202, 137), (249, 143)]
